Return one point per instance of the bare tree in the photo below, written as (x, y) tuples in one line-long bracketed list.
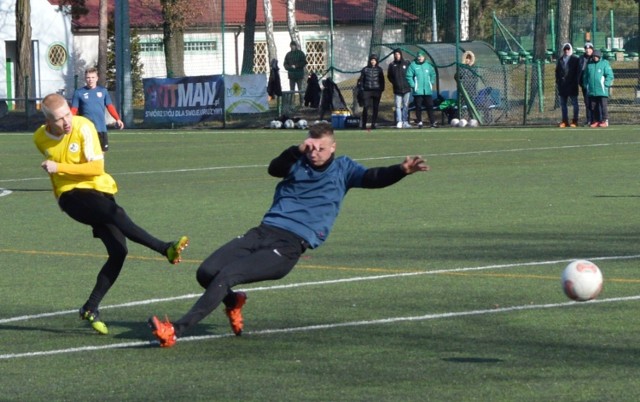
[(378, 26), (23, 47), (291, 22), (464, 19), (268, 25), (177, 15), (249, 36), (102, 42), (564, 19)]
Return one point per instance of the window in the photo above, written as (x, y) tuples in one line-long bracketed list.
[(57, 56), (148, 47), (260, 56), (316, 51), (201, 46)]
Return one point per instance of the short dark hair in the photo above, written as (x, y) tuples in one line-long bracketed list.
[(322, 129)]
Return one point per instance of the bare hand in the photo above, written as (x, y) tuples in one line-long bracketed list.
[(309, 145), (49, 166), (414, 164), (119, 124)]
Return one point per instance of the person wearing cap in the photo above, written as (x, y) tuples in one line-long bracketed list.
[(598, 77), (421, 77), (567, 77), (584, 60), (372, 83), (294, 62), (401, 90)]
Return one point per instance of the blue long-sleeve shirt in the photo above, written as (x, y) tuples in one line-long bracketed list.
[(307, 201)]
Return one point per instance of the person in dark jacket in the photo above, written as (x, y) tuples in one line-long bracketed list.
[(274, 87), (372, 82), (313, 92), (401, 90), (584, 60), (567, 79), (294, 63)]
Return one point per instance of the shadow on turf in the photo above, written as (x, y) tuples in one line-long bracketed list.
[(617, 196), (471, 360)]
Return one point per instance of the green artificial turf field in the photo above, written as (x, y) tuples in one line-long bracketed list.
[(444, 287)]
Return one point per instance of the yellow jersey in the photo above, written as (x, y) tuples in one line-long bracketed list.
[(78, 147)]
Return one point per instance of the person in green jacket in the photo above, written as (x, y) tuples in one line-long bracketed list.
[(598, 78), (421, 77), (294, 63)]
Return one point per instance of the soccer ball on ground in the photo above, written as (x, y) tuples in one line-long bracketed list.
[(473, 123), (275, 124), (455, 122), (301, 124), (582, 280), (289, 124), (463, 123)]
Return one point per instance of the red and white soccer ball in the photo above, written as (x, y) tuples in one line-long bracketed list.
[(582, 280)]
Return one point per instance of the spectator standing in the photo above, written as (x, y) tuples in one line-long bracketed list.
[(584, 60), (91, 101), (567, 79), (421, 77), (598, 77), (294, 62), (372, 82), (401, 90)]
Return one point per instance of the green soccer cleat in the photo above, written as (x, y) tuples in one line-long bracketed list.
[(174, 252), (94, 318)]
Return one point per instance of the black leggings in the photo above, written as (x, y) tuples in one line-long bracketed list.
[(112, 225), (263, 253), (427, 101)]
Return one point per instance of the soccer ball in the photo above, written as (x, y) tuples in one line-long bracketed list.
[(473, 123), (455, 122), (301, 124), (289, 124), (582, 280), (463, 123), (275, 124)]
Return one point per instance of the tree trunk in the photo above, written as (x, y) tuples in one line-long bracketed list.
[(102, 43), (540, 33), (464, 19), (23, 48), (173, 38), (249, 36), (450, 23), (291, 22), (268, 25), (564, 19), (378, 26)]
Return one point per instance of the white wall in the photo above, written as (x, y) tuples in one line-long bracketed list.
[(49, 27)]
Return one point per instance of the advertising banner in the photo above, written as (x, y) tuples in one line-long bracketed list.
[(185, 100), (246, 93)]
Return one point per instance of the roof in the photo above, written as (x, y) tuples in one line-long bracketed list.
[(307, 12)]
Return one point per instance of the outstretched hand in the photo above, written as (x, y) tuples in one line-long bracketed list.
[(414, 164)]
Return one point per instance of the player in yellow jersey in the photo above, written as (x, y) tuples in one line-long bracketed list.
[(75, 164)]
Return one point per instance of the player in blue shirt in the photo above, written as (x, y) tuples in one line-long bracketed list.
[(91, 101), (305, 206)]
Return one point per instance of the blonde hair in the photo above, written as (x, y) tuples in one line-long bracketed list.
[(50, 103)]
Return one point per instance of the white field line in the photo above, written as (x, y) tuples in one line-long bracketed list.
[(320, 283), (324, 326), (308, 328), (398, 157)]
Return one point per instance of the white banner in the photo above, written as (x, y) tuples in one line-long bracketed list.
[(245, 93)]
